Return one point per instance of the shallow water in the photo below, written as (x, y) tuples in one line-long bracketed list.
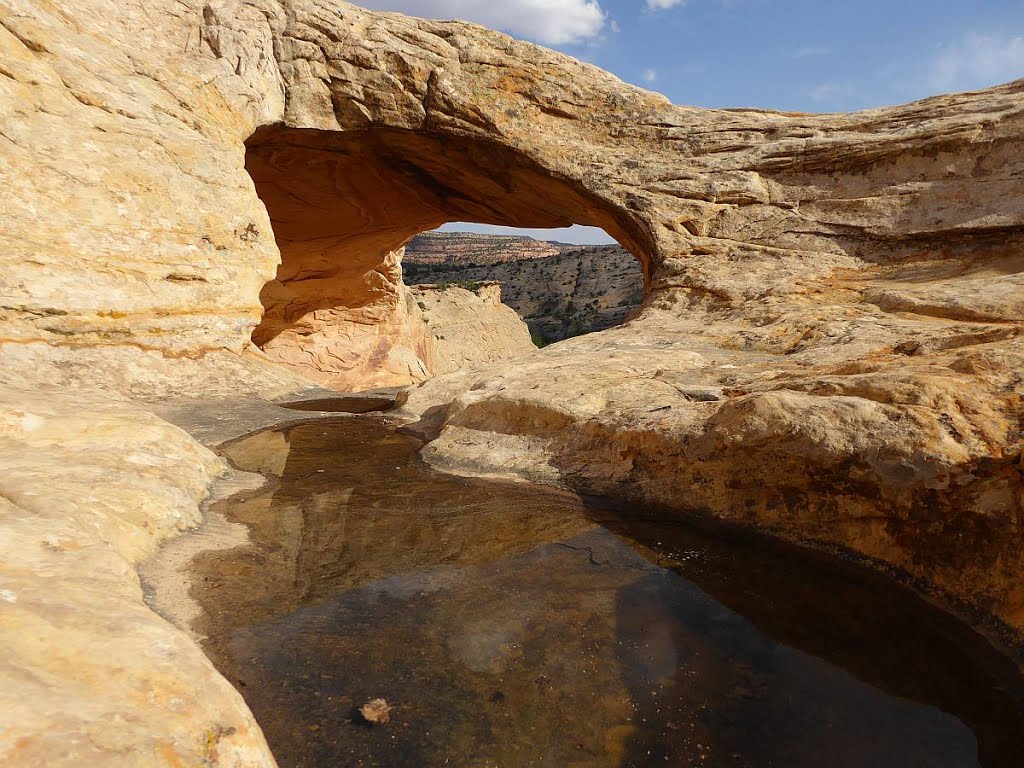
[(511, 625)]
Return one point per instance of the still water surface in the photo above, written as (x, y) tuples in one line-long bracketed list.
[(512, 625)]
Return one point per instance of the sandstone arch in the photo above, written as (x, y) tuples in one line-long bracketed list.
[(831, 350), (342, 204), (829, 295)]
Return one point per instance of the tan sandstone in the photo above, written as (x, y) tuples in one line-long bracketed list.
[(830, 347), (89, 675), (471, 328)]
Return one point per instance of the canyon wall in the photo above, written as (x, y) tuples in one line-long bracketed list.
[(578, 290), (830, 349)]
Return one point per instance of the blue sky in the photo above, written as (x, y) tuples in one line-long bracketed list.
[(801, 55)]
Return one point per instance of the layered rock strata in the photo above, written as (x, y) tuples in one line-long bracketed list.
[(346, 328), (830, 346), (458, 248), (373, 331), (579, 290)]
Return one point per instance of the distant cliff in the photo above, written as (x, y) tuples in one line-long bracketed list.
[(466, 248), (576, 290)]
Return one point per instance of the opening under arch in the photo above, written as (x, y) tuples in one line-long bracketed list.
[(343, 203)]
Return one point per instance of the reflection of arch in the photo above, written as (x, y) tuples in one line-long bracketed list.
[(327, 523), (342, 202)]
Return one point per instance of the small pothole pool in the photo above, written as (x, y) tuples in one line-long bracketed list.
[(511, 625)]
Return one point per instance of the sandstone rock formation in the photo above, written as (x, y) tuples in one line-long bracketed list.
[(830, 347), (578, 290), (346, 328), (385, 334), (470, 328), (89, 675)]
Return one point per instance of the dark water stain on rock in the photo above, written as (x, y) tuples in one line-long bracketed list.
[(511, 625)]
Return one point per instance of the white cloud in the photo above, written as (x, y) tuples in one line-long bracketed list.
[(650, 75), (977, 61), (553, 22), (663, 5), (825, 91)]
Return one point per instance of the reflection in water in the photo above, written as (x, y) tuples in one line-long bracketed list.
[(361, 404), (510, 629)]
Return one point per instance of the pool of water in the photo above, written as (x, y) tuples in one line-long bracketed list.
[(511, 625)]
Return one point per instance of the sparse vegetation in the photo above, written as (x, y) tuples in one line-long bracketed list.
[(576, 291)]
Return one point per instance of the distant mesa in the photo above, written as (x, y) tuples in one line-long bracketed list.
[(464, 247)]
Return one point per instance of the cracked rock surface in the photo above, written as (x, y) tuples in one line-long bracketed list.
[(830, 345)]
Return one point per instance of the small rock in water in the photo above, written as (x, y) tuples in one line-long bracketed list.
[(376, 711)]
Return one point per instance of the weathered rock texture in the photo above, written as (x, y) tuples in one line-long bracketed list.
[(346, 328), (343, 203), (830, 348), (376, 332), (578, 290), (89, 675), (470, 328)]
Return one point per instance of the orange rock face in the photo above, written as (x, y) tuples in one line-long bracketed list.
[(346, 329)]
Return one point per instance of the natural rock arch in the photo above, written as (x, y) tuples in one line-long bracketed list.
[(342, 204), (831, 348), (849, 287)]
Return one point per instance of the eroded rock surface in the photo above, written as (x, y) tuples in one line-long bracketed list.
[(347, 329), (89, 675), (830, 346), (384, 333), (470, 327)]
